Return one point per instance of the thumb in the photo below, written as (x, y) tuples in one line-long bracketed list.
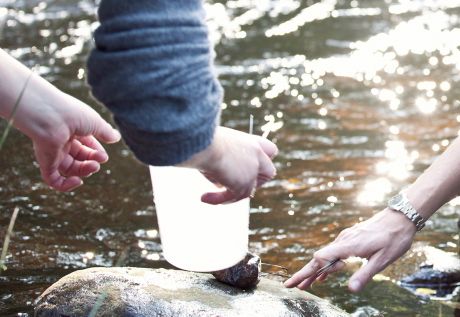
[(94, 124), (267, 146), (106, 133), (365, 274), (266, 168), (216, 198)]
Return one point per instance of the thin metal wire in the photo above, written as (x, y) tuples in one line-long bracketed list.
[(326, 268), (276, 273), (283, 273), (274, 265)]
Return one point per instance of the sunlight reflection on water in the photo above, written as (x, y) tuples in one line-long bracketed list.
[(358, 95), (369, 61)]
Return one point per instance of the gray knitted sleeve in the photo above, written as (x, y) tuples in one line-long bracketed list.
[(152, 67)]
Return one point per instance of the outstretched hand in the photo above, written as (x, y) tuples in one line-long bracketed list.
[(65, 133), (71, 150), (238, 161), (381, 239), (64, 130)]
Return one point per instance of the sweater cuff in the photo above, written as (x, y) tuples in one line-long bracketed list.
[(160, 149)]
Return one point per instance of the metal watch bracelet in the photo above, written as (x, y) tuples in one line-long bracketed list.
[(400, 203)]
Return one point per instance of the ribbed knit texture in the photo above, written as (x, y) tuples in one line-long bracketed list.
[(152, 67)]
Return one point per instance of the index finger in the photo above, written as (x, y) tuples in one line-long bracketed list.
[(91, 142), (81, 152), (216, 198), (269, 148), (306, 272)]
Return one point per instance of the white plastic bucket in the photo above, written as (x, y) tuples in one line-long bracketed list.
[(196, 236)]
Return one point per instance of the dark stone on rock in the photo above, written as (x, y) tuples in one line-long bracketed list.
[(244, 274), (158, 292)]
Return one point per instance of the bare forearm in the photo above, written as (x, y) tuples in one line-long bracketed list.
[(33, 113), (438, 184), (13, 76)]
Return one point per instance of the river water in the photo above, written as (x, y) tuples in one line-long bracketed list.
[(361, 96)]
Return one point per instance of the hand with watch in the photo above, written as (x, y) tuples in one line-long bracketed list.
[(381, 239), (387, 235)]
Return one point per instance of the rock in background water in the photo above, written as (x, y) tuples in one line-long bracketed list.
[(437, 272)]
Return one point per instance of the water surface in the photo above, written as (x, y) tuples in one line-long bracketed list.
[(360, 96)]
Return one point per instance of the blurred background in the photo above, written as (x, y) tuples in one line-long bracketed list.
[(361, 96)]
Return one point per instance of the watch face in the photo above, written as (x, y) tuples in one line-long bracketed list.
[(395, 200)]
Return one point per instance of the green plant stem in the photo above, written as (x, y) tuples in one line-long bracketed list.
[(98, 304), (6, 242), (103, 295), (13, 112)]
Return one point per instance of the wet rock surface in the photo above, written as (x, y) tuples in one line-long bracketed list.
[(160, 292), (245, 274), (426, 268)]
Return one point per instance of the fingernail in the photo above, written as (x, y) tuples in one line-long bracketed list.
[(355, 285), (117, 134)]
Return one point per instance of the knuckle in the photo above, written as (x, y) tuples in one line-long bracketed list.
[(259, 150), (384, 262), (343, 233), (272, 171), (319, 255)]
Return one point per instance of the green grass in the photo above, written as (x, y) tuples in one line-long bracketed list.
[(13, 113), (6, 242), (9, 124)]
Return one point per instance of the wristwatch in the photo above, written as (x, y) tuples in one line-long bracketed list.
[(402, 204)]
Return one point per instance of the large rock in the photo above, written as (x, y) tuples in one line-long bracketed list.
[(158, 292)]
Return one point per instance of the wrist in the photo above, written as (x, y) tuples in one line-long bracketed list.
[(38, 114), (423, 201), (207, 158), (27, 98), (397, 222)]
